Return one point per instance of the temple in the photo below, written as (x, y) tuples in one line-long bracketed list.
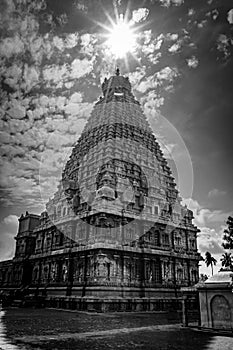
[(115, 229)]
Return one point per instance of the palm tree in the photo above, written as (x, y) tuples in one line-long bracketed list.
[(227, 260), (210, 261)]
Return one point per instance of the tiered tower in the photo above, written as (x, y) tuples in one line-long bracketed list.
[(117, 203), (116, 227)]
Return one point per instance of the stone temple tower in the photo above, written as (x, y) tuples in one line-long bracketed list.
[(119, 209), (115, 231)]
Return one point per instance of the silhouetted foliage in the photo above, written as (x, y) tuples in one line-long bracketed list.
[(203, 277), (210, 261), (228, 234), (227, 260)]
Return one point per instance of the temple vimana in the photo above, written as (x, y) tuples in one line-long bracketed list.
[(115, 231)]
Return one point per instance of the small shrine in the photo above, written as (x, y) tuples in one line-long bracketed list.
[(216, 301)]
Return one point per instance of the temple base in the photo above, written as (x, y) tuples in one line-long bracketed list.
[(115, 304)]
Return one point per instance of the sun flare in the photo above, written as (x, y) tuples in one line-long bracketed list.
[(121, 38)]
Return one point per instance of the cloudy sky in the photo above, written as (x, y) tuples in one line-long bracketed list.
[(53, 59)]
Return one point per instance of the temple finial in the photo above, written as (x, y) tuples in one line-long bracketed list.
[(117, 71)]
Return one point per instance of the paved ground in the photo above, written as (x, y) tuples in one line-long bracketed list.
[(28, 329)]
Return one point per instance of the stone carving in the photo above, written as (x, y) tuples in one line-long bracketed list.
[(220, 312), (106, 168)]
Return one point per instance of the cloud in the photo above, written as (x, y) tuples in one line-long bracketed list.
[(210, 240), (192, 62), (8, 230), (216, 193), (71, 40), (150, 45), (163, 77), (149, 82), (167, 73), (223, 45), (57, 75), (215, 14), (81, 67), (11, 221), (212, 225), (88, 44), (168, 3), (172, 36), (58, 43), (152, 101), (16, 110), (81, 6), (140, 15), (136, 76), (37, 68), (191, 12), (11, 46), (204, 217), (20, 164), (202, 23), (230, 16), (175, 47)]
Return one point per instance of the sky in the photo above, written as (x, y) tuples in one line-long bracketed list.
[(54, 57)]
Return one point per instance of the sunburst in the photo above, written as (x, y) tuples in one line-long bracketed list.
[(120, 37)]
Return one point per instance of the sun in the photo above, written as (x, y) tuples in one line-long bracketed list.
[(121, 38)]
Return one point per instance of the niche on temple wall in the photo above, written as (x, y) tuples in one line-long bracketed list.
[(47, 241), (105, 266), (80, 234), (192, 242), (45, 273), (79, 271), (179, 273), (36, 273), (179, 239), (54, 271), (193, 275), (64, 211), (58, 211), (165, 240), (64, 272), (166, 271)]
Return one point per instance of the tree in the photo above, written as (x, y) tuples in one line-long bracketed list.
[(210, 261), (227, 260), (228, 234)]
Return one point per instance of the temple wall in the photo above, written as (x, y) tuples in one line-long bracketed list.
[(216, 307)]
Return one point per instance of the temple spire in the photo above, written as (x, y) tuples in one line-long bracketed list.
[(117, 70)]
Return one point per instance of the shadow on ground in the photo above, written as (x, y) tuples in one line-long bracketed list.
[(26, 329)]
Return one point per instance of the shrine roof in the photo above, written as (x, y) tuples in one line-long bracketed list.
[(224, 276)]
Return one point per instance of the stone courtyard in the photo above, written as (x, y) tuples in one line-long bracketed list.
[(27, 329)]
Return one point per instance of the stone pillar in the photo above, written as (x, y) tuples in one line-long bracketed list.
[(186, 241), (188, 272), (85, 273), (117, 275), (174, 274), (122, 267), (49, 272), (184, 312), (42, 241), (39, 274), (70, 275), (172, 239)]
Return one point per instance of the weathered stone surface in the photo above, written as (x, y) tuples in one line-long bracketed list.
[(116, 226)]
